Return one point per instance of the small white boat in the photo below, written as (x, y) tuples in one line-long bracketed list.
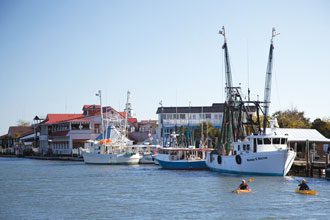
[(147, 152)]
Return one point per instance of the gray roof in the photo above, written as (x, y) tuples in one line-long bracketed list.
[(301, 134), (216, 107)]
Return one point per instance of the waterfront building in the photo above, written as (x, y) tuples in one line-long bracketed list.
[(64, 134), (190, 117), (145, 132), (10, 143)]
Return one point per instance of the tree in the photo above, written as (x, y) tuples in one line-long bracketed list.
[(22, 122), (322, 126), (209, 133), (292, 119)]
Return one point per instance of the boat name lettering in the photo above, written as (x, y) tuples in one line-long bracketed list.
[(257, 158)]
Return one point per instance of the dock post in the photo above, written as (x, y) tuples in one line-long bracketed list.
[(307, 158)]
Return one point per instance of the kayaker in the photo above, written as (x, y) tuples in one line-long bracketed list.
[(243, 185), (303, 185)]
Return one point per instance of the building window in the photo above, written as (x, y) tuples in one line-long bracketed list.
[(182, 116), (193, 116), (208, 116)]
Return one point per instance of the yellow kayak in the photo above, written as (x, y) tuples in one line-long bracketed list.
[(242, 191), (307, 192)]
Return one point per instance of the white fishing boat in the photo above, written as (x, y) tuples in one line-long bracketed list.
[(113, 147), (258, 153), (97, 153)]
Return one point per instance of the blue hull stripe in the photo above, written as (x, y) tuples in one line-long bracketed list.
[(247, 173), (193, 165)]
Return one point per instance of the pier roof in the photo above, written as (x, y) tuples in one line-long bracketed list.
[(300, 134)]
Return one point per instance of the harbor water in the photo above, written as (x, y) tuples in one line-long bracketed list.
[(38, 189)]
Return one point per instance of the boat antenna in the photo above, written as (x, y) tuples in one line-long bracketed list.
[(99, 94), (268, 81), (248, 69)]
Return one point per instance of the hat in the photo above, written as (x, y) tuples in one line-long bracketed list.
[(243, 181), (303, 181)]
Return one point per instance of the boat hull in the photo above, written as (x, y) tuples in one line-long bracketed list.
[(306, 192), (147, 159), (273, 163), (183, 165), (238, 191), (94, 158)]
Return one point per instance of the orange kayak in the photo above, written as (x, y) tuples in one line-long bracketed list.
[(242, 191), (306, 192)]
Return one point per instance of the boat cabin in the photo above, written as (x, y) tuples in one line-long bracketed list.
[(184, 153), (260, 143)]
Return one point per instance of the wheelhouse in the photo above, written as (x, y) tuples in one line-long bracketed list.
[(260, 143)]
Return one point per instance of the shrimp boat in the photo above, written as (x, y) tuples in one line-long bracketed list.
[(112, 146), (182, 158), (259, 153)]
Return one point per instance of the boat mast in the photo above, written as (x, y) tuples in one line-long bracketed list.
[(227, 124), (127, 108), (99, 94), (268, 81), (229, 81)]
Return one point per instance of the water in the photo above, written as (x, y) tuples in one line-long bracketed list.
[(35, 189)]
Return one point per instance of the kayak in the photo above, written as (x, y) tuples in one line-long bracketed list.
[(307, 192), (242, 191)]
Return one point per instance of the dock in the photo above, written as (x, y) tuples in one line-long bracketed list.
[(310, 168)]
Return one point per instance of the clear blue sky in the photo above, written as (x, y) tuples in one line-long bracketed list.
[(54, 55)]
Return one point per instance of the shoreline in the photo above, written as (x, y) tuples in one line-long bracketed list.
[(77, 159)]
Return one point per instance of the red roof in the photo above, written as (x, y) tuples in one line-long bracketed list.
[(130, 120), (56, 118), (91, 107), (80, 120)]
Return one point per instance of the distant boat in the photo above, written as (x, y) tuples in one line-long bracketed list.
[(108, 151), (182, 158), (112, 146), (147, 152)]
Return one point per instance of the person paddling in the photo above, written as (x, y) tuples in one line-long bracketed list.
[(303, 185), (243, 185)]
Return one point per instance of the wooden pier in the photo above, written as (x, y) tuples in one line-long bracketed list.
[(310, 168)]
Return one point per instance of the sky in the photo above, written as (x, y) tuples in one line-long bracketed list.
[(55, 55)]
